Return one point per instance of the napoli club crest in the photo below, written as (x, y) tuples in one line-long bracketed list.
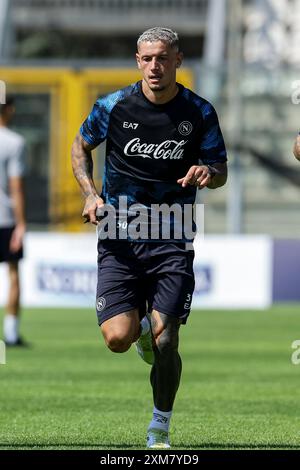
[(100, 304), (185, 128)]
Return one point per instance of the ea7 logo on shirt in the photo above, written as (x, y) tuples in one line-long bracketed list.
[(185, 128), (130, 125)]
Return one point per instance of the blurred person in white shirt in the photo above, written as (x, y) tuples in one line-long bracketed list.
[(12, 217)]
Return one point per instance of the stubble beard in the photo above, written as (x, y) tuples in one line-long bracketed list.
[(157, 88)]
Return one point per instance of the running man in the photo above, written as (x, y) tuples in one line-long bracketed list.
[(162, 143)]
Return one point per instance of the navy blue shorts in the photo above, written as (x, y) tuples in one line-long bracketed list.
[(5, 254), (144, 275)]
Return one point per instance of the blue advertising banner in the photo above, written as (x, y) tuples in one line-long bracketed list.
[(286, 270)]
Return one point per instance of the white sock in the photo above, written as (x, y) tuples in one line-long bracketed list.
[(145, 326), (10, 328), (160, 419)]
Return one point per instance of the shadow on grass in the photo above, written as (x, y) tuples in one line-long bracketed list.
[(67, 446), (233, 446), (112, 446)]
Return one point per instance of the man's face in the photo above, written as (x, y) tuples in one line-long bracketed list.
[(8, 113), (158, 62)]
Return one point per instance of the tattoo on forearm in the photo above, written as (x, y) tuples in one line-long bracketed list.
[(82, 164)]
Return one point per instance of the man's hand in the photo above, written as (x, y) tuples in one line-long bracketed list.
[(92, 203), (297, 148), (210, 176), (196, 176), (17, 236)]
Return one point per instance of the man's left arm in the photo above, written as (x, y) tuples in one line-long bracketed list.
[(205, 176), (16, 172), (212, 172), (18, 200), (297, 148)]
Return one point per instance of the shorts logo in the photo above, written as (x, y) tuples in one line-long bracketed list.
[(187, 301), (100, 303), (185, 128)]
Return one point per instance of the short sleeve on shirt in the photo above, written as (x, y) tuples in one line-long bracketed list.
[(212, 148)]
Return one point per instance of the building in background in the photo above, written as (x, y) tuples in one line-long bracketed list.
[(101, 28), (57, 57)]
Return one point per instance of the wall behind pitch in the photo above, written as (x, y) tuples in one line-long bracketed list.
[(60, 270), (233, 272)]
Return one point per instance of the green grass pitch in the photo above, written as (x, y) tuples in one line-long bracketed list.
[(239, 388)]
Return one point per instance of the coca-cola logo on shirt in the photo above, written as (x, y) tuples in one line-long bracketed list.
[(167, 149)]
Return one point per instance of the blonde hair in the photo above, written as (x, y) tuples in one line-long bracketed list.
[(159, 34)]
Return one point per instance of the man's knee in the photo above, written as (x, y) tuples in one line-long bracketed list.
[(121, 331), (13, 272), (166, 333), (166, 344), (117, 343), (167, 341), (119, 340)]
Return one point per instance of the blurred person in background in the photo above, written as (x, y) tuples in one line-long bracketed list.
[(297, 147), (163, 142), (12, 217)]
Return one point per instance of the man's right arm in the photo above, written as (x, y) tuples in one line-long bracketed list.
[(82, 164)]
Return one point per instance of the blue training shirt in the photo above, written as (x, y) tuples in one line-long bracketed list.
[(149, 147)]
